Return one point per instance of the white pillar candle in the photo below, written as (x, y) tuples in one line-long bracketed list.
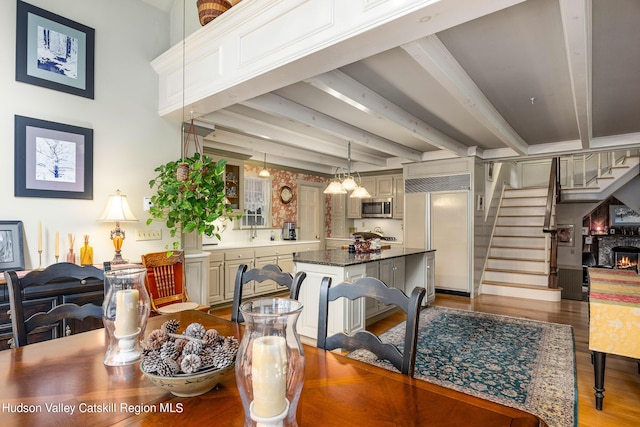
[(269, 373), (57, 249), (126, 312), (39, 236)]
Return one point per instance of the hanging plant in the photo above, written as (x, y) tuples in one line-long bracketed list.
[(192, 204)]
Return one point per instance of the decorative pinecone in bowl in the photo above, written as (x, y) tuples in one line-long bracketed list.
[(187, 364)]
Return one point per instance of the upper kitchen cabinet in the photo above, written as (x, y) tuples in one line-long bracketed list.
[(234, 181), (379, 186)]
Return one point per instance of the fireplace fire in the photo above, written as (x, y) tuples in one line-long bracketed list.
[(625, 257)]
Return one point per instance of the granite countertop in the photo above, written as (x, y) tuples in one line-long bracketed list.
[(257, 244), (342, 258)]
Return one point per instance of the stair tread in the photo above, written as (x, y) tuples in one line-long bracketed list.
[(535, 248), (518, 259), (500, 270), (519, 236), (517, 225), (515, 285), (520, 216)]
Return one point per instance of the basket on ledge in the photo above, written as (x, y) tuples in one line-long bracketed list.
[(208, 10)]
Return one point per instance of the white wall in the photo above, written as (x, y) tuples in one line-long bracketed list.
[(130, 139)]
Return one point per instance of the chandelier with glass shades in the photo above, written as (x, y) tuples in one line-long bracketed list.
[(342, 184)]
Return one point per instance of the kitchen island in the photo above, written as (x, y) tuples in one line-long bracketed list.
[(402, 268)]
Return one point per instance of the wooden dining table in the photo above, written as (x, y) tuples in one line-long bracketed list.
[(64, 382)]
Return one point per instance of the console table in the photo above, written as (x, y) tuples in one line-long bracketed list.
[(614, 319)]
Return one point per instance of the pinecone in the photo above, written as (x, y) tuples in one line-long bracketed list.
[(156, 338), (180, 343), (207, 355), (170, 326), (169, 349), (211, 336), (192, 347), (195, 330), (191, 363), (151, 361), (225, 354), (168, 367)]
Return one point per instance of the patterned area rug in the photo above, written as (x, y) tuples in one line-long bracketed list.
[(520, 363)]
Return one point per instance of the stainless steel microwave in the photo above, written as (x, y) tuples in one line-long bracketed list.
[(377, 208)]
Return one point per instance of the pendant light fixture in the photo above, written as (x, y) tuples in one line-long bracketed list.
[(264, 173), (348, 183)]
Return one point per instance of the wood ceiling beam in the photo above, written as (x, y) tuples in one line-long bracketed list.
[(258, 128), (230, 141), (577, 28), (344, 88), (431, 54), (280, 106)]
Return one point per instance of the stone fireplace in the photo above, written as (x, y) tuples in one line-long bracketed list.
[(625, 257), (619, 251)]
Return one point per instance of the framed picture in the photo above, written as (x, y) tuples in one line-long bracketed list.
[(52, 160), (565, 235), (11, 246), (621, 215), (588, 240), (54, 52)]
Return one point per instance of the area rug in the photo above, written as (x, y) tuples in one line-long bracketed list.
[(521, 363)]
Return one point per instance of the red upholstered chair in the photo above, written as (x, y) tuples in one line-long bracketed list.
[(166, 283)]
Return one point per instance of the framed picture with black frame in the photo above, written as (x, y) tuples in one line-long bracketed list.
[(54, 52), (11, 246), (52, 160), (621, 216)]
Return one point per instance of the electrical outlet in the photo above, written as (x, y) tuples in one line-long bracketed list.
[(149, 234)]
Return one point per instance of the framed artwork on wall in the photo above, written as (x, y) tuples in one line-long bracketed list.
[(621, 215), (565, 235), (52, 160), (11, 246), (54, 52)]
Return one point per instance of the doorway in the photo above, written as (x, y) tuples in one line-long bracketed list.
[(310, 211)]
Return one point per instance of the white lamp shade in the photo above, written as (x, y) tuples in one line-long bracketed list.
[(349, 183), (360, 193), (264, 173), (117, 209), (335, 188)]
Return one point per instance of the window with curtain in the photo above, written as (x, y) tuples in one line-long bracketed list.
[(257, 198)]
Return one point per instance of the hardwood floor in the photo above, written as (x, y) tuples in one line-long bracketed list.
[(621, 405)]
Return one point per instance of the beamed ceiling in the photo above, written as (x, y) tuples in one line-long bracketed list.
[(536, 78)]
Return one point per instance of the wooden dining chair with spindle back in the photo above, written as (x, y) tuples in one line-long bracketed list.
[(166, 283), (267, 272), (371, 287), (24, 323)]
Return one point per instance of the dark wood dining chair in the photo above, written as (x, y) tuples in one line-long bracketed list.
[(372, 288), (167, 284), (266, 272), (46, 280)]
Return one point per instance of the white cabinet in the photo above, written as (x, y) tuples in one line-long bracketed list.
[(392, 273), (431, 277), (398, 196), (232, 260), (223, 267), (353, 208), (339, 215), (216, 277)]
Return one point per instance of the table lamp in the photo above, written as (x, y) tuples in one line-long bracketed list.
[(117, 211)]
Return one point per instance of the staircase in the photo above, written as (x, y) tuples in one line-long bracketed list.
[(518, 260), (596, 176)]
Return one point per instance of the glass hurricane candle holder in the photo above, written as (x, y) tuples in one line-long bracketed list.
[(125, 312), (270, 362)]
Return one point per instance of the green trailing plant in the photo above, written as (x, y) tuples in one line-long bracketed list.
[(191, 204)]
